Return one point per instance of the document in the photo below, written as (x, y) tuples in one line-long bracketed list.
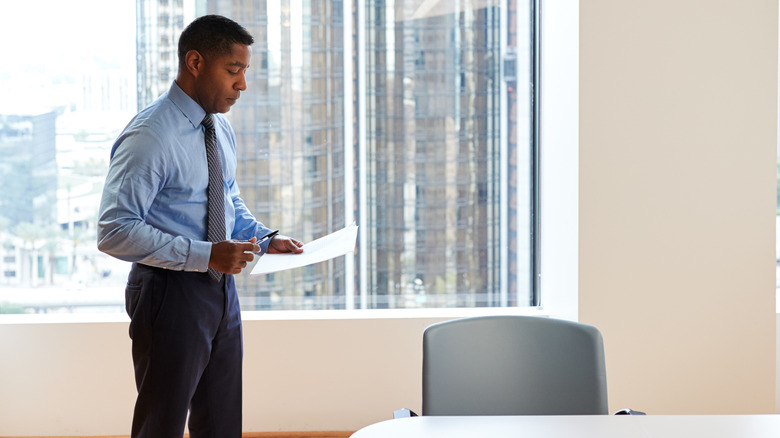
[(325, 248)]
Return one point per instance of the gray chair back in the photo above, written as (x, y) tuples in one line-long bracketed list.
[(513, 365)]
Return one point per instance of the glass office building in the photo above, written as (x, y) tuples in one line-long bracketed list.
[(433, 151), (159, 24), (400, 115), (290, 126), (28, 201), (448, 177), (28, 171)]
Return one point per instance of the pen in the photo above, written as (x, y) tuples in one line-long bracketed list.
[(264, 238)]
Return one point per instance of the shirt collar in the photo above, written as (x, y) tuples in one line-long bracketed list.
[(186, 105)]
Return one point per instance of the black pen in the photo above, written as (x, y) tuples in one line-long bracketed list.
[(264, 238)]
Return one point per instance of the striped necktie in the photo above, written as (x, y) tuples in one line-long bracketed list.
[(216, 193)]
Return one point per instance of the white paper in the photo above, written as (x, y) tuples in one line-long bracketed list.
[(325, 248)]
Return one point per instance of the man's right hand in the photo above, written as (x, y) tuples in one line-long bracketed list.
[(232, 256)]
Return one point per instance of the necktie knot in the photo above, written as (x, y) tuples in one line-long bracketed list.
[(208, 122)]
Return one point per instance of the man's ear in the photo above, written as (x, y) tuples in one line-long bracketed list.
[(194, 62)]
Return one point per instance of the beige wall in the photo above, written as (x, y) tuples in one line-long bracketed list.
[(299, 374), (65, 379), (677, 182), (677, 132)]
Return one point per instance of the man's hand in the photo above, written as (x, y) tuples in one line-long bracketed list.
[(283, 244), (232, 256)]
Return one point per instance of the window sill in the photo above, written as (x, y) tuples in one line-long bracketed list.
[(287, 315), (64, 318)]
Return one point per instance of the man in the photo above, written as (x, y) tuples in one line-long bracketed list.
[(171, 206)]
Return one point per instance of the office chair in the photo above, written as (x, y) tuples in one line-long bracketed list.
[(513, 365)]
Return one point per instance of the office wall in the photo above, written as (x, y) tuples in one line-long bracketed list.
[(65, 379), (677, 143), (300, 374), (677, 196)]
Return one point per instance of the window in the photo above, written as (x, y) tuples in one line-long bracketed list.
[(414, 119)]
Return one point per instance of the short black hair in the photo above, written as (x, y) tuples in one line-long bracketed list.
[(212, 35)]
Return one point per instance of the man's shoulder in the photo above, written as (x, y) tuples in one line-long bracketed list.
[(157, 124), (161, 117)]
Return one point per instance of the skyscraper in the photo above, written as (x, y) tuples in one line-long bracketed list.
[(158, 24), (28, 201), (290, 134), (28, 171), (417, 135), (447, 198)]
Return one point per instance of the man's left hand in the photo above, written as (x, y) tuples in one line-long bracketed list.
[(283, 244)]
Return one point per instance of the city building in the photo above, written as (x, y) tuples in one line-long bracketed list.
[(158, 26), (433, 202), (290, 130), (419, 138), (28, 201)]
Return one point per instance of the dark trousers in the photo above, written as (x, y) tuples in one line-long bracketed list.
[(187, 352)]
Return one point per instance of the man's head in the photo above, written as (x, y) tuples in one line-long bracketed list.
[(213, 57)]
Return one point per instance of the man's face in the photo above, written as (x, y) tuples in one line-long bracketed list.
[(222, 80)]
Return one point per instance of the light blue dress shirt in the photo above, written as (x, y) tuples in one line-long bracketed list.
[(154, 205)]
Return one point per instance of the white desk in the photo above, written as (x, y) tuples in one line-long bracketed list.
[(593, 426)]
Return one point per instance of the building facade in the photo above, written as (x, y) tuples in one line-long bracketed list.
[(28, 200), (392, 113), (290, 134), (158, 26), (433, 195)]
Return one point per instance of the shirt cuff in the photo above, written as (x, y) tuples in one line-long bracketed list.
[(200, 253), (264, 246)]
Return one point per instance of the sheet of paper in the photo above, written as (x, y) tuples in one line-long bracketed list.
[(325, 248)]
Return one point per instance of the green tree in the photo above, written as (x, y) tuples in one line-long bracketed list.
[(8, 308)]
